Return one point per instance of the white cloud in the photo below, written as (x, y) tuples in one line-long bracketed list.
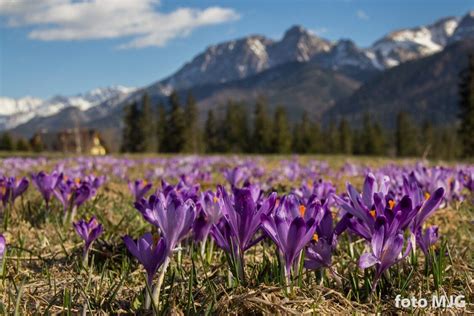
[(319, 31), (140, 20), (362, 15)]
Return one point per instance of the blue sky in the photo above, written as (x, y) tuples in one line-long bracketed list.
[(50, 47)]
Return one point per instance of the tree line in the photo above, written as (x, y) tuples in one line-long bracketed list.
[(244, 128)]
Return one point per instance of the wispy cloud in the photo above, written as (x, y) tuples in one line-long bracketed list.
[(362, 15), (319, 31), (138, 20)]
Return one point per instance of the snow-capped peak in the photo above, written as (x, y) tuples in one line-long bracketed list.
[(10, 106), (465, 29), (14, 112), (407, 44)]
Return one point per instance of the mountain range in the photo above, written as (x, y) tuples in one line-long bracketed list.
[(414, 69)]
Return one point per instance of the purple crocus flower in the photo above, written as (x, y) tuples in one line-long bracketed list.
[(320, 190), (361, 210), (427, 239), (89, 231), (11, 189), (427, 208), (386, 249), (17, 187), (209, 214), (467, 179), (171, 214), (234, 175), (64, 193), (184, 190), (139, 188), (222, 235), (241, 220), (150, 252), (46, 183), (361, 207), (74, 194), (83, 193), (95, 182), (3, 246), (244, 216), (319, 252), (290, 234)]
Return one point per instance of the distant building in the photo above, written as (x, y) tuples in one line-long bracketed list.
[(75, 140)]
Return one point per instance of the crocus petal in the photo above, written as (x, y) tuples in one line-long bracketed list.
[(391, 251), (2, 245), (131, 246), (367, 260), (295, 240), (429, 206), (369, 189)]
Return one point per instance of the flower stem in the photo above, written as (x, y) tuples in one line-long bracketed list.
[(161, 277), (73, 213), (203, 248), (210, 251), (149, 284), (287, 278), (85, 259)]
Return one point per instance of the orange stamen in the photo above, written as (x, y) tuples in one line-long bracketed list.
[(391, 204), (427, 196), (216, 199), (315, 237), (302, 210), (372, 213)]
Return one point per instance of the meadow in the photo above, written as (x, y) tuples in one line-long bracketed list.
[(233, 234)]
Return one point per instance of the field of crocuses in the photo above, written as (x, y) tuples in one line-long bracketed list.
[(233, 235)]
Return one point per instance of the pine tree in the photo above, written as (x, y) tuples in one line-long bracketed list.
[(6, 142), (313, 137), (406, 136), (371, 137), (447, 143), (262, 129), (428, 140), (132, 137), (175, 126), (378, 140), (307, 136), (281, 133), (146, 126), (345, 137), (234, 128), (366, 136), (22, 145), (296, 139), (331, 139), (466, 104), (160, 127), (211, 133), (192, 135), (36, 143), (300, 135)]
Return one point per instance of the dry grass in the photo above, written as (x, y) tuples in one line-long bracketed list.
[(43, 274)]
